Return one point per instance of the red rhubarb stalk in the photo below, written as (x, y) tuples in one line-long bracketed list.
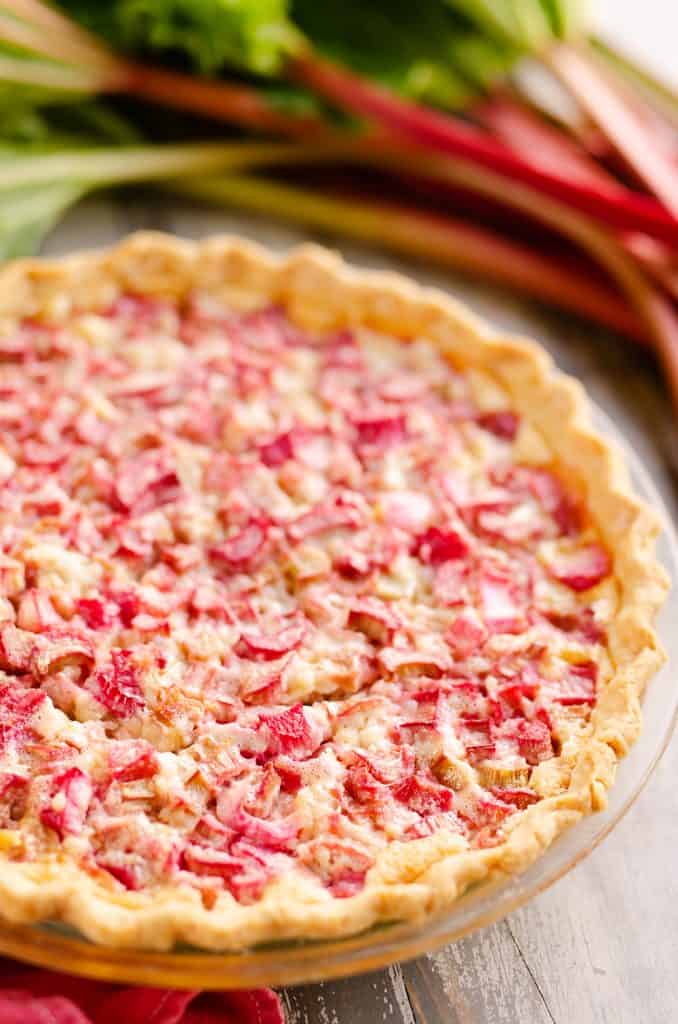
[(633, 139), (522, 130), (447, 241), (615, 205), (219, 100)]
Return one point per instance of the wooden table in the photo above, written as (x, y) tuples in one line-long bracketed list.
[(602, 944)]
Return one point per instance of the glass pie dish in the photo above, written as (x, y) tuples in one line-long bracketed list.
[(61, 948)]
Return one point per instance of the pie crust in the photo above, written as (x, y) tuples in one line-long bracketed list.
[(409, 880)]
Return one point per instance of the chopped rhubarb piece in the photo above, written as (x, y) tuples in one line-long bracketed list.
[(264, 691), (268, 835), (490, 810), (206, 861), (36, 612), (290, 733), (209, 600), (361, 785), (66, 811), (578, 686), (245, 876), (90, 429), (16, 348), (50, 455), (16, 648), (127, 874), (53, 653), (501, 602), (533, 739), (477, 752), (423, 795), (450, 584), (146, 481), (381, 430), (13, 797), (149, 624), (128, 604), (239, 551), (549, 491), (335, 515), (520, 798), (263, 647), (354, 564), (515, 692), (131, 543), (97, 614), (340, 863), (373, 618), (276, 452), (182, 557), (440, 545), (342, 351), (129, 760), (582, 624), (117, 686), (466, 635), (17, 707), (408, 510), (290, 773), (502, 423), (581, 569)]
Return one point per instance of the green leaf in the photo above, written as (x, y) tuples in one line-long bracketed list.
[(28, 214), (408, 47), (256, 36)]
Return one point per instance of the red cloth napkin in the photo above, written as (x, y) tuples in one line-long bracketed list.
[(29, 995)]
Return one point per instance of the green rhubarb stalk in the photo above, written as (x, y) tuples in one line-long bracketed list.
[(21, 71), (113, 165), (449, 242)]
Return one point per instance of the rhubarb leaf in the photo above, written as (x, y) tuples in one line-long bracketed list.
[(251, 35), (408, 47)]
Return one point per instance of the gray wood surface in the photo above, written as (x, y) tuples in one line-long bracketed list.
[(602, 944)]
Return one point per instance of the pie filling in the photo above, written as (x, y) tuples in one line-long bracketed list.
[(275, 601)]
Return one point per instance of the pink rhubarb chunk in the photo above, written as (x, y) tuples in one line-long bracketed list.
[(582, 569), (66, 811), (117, 687)]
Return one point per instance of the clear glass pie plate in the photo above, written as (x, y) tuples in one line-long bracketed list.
[(61, 948)]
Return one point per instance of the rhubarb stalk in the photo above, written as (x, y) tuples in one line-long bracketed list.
[(616, 205), (620, 123), (526, 133), (450, 242), (118, 164)]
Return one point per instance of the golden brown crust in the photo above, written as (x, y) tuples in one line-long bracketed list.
[(409, 880)]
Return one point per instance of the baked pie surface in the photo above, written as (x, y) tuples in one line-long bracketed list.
[(321, 601)]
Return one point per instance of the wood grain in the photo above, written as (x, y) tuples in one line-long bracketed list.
[(601, 945)]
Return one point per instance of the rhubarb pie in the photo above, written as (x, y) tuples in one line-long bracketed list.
[(320, 601)]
